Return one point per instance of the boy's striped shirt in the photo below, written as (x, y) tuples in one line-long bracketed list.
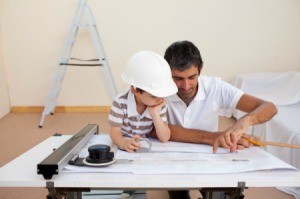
[(123, 114)]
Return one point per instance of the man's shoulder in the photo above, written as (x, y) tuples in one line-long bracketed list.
[(210, 82), (215, 85), (209, 79)]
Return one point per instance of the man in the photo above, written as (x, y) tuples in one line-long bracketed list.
[(193, 111)]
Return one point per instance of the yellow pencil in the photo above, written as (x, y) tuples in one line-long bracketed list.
[(257, 142)]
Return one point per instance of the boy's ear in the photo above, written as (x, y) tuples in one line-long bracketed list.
[(133, 90)]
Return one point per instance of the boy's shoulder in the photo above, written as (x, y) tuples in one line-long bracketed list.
[(122, 97)]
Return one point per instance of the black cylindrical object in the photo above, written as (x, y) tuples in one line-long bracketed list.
[(99, 153)]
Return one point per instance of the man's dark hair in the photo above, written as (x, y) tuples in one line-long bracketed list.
[(182, 55)]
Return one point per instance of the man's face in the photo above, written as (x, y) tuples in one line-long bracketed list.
[(186, 81)]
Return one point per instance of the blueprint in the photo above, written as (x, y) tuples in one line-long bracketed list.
[(185, 158)]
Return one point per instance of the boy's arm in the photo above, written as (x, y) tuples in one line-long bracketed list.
[(116, 136), (162, 129), (129, 145)]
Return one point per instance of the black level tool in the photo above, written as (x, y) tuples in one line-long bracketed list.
[(59, 158)]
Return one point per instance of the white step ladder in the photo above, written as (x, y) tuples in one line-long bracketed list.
[(83, 10)]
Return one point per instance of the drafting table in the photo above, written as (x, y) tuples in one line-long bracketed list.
[(22, 172)]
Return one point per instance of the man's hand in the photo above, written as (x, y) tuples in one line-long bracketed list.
[(132, 144), (231, 137), (241, 144)]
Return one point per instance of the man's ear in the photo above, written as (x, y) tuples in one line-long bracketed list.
[(199, 69)]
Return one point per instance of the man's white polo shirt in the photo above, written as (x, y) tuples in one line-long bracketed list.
[(202, 113)]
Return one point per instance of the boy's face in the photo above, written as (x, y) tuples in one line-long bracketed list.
[(147, 99)]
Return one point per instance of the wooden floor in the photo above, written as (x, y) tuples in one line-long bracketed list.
[(19, 132)]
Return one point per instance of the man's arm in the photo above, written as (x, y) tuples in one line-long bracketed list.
[(259, 111), (181, 134)]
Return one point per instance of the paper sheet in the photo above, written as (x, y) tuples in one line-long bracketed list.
[(182, 158)]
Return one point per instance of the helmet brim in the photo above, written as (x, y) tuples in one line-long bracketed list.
[(162, 91), (168, 89)]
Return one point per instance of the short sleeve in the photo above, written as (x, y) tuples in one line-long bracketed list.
[(163, 114), (230, 96), (116, 114)]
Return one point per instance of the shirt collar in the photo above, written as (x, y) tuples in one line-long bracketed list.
[(132, 109), (199, 96), (200, 92)]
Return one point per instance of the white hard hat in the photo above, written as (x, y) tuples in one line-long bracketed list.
[(150, 72)]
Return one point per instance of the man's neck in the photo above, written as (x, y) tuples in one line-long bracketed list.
[(187, 101)]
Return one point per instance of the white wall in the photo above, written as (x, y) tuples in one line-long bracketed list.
[(233, 36)]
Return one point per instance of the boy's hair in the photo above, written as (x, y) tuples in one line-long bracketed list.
[(138, 89), (182, 55)]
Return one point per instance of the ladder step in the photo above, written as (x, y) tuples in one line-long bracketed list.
[(84, 25), (67, 64), (72, 58), (82, 64)]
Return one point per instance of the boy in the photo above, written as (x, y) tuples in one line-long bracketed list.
[(134, 113)]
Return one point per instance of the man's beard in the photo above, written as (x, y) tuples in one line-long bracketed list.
[(186, 95)]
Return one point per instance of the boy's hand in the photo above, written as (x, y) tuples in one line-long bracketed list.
[(155, 109), (132, 144)]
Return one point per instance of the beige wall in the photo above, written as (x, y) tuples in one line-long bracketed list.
[(233, 36), (4, 98)]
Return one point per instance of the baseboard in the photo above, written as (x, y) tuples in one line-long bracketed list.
[(62, 109)]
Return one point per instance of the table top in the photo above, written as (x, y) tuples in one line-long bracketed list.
[(22, 172)]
